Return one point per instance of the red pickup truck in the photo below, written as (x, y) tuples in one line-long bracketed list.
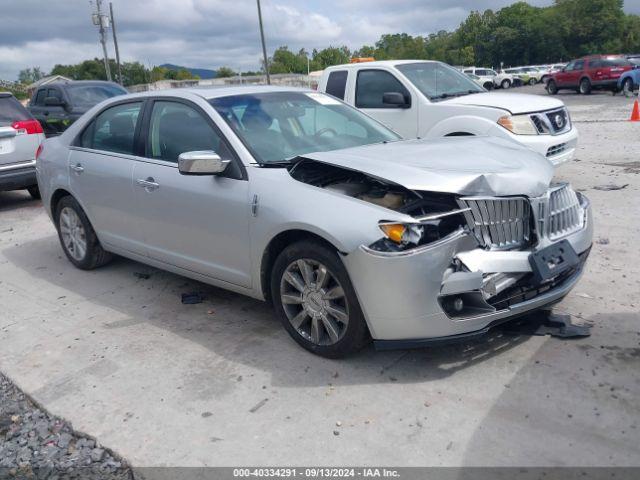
[(589, 73)]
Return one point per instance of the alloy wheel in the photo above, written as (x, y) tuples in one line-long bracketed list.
[(73, 234), (314, 301)]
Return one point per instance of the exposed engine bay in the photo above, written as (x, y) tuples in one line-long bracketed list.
[(420, 205)]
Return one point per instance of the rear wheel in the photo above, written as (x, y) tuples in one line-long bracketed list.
[(505, 83), (488, 85), (532, 81), (585, 86), (316, 303), (34, 191), (627, 87), (77, 237), (552, 88)]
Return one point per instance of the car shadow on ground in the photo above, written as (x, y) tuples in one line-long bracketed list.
[(238, 329), (603, 426), (16, 199)]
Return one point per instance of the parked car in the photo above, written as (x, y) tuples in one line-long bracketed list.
[(522, 75), (487, 85), (292, 196), (589, 73), (491, 78), (20, 138), (431, 100), (629, 81), (57, 105)]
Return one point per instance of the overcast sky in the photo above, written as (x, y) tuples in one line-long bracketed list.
[(213, 33)]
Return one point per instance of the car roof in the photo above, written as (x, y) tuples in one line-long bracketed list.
[(63, 83), (209, 93), (379, 63)]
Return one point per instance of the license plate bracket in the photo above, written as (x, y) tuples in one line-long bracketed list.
[(551, 261)]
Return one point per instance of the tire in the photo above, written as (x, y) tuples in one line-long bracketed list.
[(74, 230), (552, 88), (585, 86), (34, 191), (340, 327), (532, 81), (488, 85), (627, 87), (505, 84)]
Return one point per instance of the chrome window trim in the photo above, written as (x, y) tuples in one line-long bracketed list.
[(125, 156)]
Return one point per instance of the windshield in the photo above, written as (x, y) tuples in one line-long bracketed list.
[(92, 94), (279, 126), (438, 81)]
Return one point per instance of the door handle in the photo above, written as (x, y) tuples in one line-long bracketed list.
[(78, 168), (149, 184)]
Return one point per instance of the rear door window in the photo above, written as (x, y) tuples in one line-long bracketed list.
[(55, 93), (337, 83), (113, 130), (371, 85), (42, 93), (11, 110)]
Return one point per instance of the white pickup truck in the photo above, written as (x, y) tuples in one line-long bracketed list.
[(430, 99)]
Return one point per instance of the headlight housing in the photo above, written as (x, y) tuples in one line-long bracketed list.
[(402, 234), (518, 124)]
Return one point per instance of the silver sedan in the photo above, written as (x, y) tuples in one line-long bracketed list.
[(293, 197)]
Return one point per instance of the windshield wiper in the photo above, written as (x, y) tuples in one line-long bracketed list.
[(455, 94)]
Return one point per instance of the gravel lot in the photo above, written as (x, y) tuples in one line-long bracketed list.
[(220, 383)]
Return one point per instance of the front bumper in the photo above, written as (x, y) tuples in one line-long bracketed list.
[(400, 293), (558, 149), (18, 177)]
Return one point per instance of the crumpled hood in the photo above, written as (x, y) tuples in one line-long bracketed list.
[(462, 165), (512, 102)]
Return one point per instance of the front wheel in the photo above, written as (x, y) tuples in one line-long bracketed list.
[(77, 237), (585, 86), (505, 84), (552, 88), (627, 87), (532, 81), (316, 303)]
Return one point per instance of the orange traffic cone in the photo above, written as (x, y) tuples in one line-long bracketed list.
[(635, 114)]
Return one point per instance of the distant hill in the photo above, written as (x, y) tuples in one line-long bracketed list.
[(200, 72)]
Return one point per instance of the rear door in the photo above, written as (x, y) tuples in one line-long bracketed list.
[(371, 85), (17, 145), (100, 175), (198, 223)]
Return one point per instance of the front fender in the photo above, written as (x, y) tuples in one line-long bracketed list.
[(472, 124)]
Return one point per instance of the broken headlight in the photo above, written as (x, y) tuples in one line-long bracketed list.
[(405, 236)]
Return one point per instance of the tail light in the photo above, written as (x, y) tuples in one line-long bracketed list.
[(28, 127)]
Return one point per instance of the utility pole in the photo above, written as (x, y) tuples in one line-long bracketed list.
[(115, 43), (102, 21), (264, 47)]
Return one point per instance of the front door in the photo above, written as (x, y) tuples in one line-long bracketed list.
[(198, 223), (371, 85), (100, 175)]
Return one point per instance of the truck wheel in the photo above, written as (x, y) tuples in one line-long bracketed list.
[(552, 88), (505, 83), (585, 86), (77, 237), (316, 303)]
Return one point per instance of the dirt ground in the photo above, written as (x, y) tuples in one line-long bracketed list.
[(221, 383)]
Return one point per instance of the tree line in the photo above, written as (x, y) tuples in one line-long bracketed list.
[(519, 34)]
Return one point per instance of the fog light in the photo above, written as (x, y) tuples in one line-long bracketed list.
[(458, 304)]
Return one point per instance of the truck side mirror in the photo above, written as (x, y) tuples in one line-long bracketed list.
[(395, 99)]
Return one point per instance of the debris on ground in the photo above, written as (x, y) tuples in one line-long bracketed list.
[(602, 241), (583, 295), (142, 276), (35, 444), (191, 298), (610, 186), (258, 405), (629, 167), (547, 323)]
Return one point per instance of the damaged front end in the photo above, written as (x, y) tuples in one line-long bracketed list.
[(462, 263)]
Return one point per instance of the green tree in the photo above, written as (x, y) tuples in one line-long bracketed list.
[(225, 72), (30, 75)]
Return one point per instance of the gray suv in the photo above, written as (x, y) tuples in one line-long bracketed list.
[(58, 105)]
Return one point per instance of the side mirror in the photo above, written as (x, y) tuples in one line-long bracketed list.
[(205, 162), (54, 102), (396, 99)]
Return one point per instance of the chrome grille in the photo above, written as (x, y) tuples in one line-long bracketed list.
[(552, 122), (565, 215), (498, 223)]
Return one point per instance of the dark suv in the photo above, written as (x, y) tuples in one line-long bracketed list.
[(590, 73), (58, 105)]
